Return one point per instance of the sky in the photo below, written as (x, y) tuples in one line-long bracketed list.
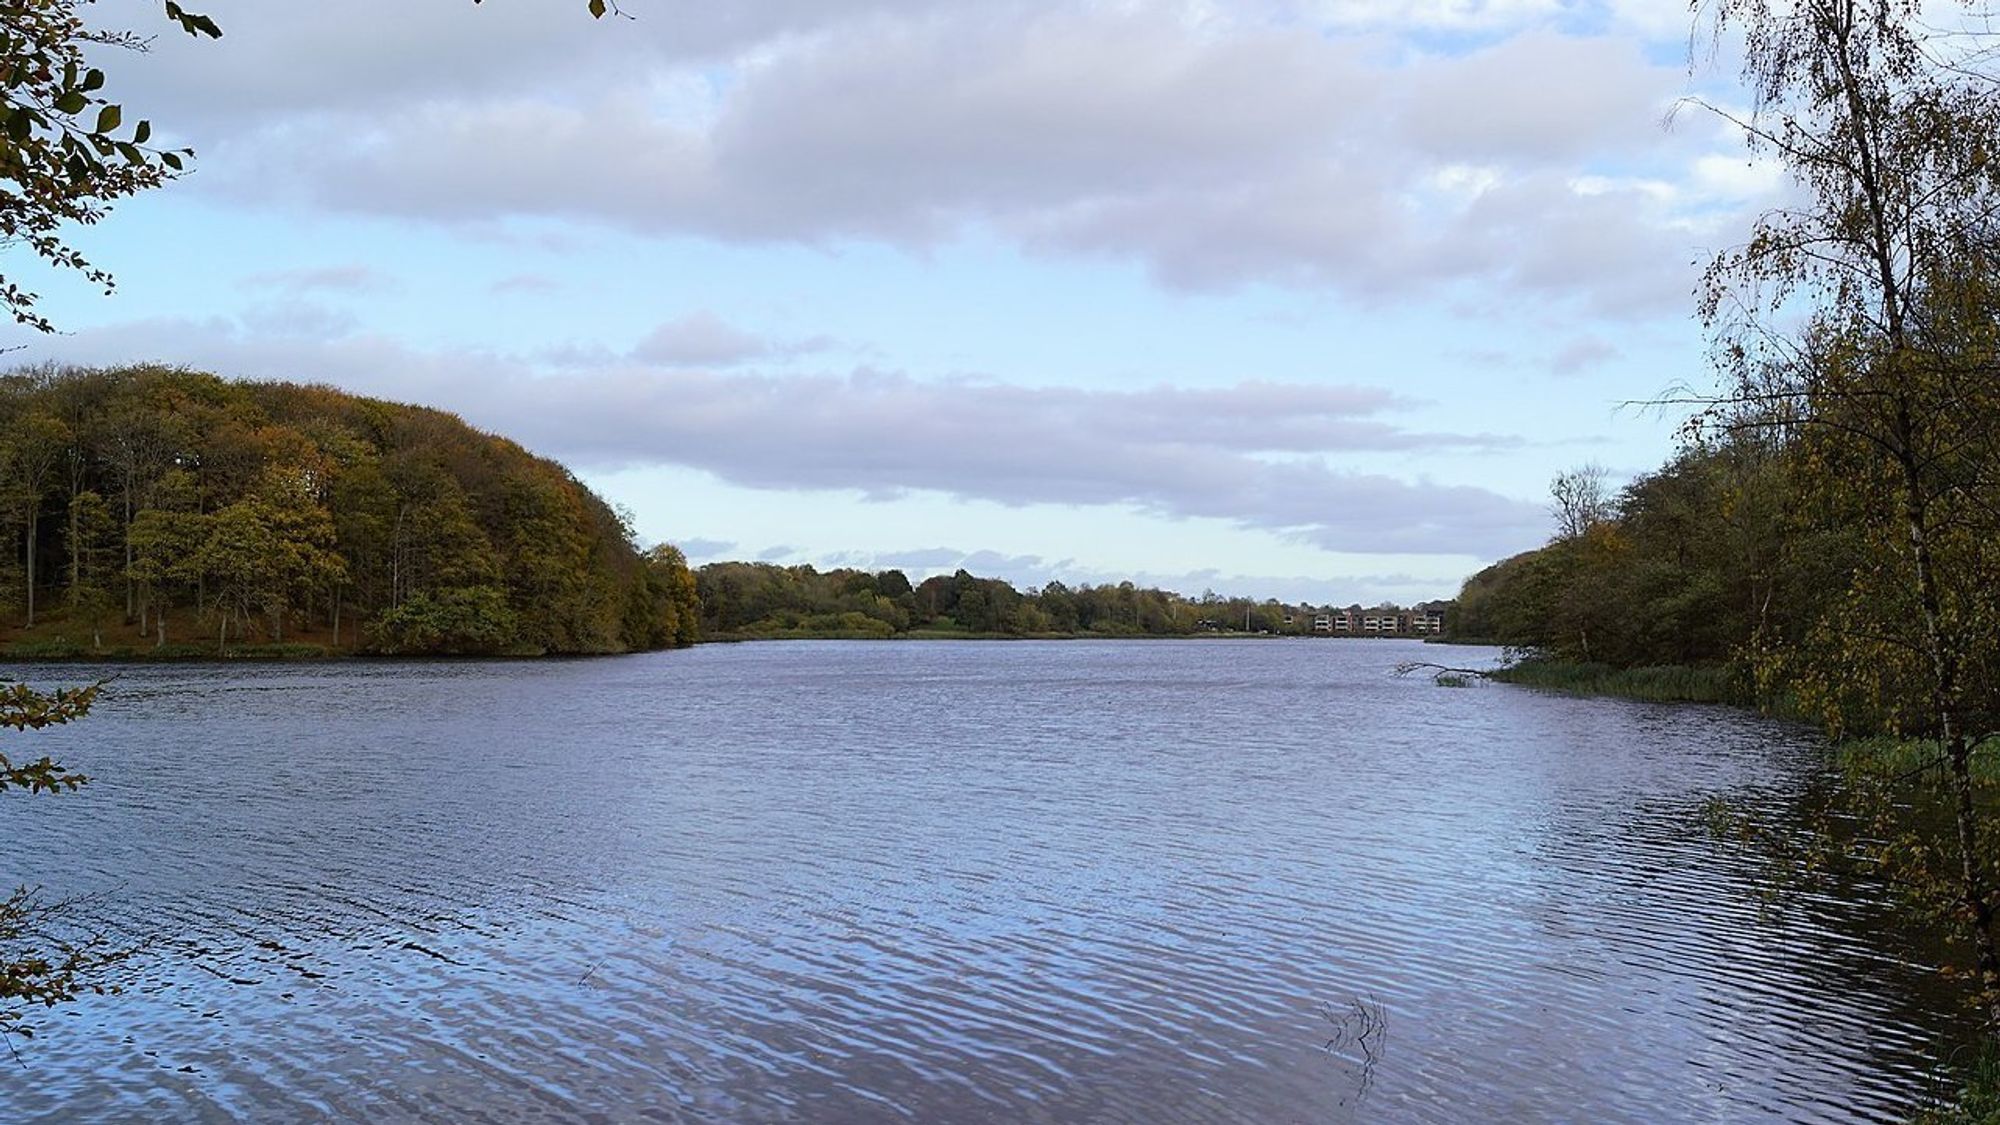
[(1304, 299)]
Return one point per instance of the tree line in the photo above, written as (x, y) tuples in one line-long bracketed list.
[(151, 507), (759, 599)]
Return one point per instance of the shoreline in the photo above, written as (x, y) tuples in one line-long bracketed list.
[(41, 652)]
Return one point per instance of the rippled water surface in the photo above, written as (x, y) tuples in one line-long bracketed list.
[(1159, 882)]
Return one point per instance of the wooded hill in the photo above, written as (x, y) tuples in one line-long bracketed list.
[(155, 509)]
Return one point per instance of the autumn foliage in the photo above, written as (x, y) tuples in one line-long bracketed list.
[(150, 507)]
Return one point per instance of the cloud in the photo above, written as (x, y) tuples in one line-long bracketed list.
[(1535, 98), (925, 558), (299, 320), (1582, 354), (705, 549), (1217, 150), (1261, 455), (321, 279), (702, 339)]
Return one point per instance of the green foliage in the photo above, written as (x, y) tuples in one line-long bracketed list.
[(1711, 563), (65, 153), (1975, 1099), (251, 512), (460, 621), (1713, 683), (740, 599)]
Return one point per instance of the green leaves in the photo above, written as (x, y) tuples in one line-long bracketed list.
[(62, 160)]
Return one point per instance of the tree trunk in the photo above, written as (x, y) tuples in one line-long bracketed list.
[(33, 519), (1943, 653), (127, 537)]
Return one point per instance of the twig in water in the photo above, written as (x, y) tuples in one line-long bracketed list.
[(1363, 1026)]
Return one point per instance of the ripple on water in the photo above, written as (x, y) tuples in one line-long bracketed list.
[(1021, 882)]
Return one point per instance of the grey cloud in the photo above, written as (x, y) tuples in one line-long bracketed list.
[(773, 554), (1581, 355), (299, 319), (1538, 97), (702, 339), (1215, 154), (1258, 455), (278, 60), (928, 558), (1542, 239), (997, 562), (699, 339), (705, 548)]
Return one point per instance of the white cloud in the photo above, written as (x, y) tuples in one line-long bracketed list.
[(1259, 455), (1215, 151)]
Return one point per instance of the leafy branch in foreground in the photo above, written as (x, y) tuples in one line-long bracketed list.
[(23, 709), (47, 956), (66, 153)]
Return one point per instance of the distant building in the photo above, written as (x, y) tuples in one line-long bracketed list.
[(1425, 619)]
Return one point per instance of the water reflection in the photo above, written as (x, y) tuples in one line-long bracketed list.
[(1018, 882)]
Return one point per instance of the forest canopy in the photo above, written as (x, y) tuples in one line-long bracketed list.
[(160, 508)]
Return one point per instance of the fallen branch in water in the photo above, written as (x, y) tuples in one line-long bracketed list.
[(1444, 674)]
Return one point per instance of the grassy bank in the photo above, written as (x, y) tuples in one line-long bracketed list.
[(67, 652), (1672, 683), (1971, 1097), (1908, 758)]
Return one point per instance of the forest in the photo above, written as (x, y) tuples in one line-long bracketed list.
[(161, 511), (751, 600), (1774, 557)]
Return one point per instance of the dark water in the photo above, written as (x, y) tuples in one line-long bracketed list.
[(1157, 882)]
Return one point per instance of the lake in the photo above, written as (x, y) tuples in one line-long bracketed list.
[(1200, 881)]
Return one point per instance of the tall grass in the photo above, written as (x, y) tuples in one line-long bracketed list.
[(1670, 683), (1971, 1096)]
